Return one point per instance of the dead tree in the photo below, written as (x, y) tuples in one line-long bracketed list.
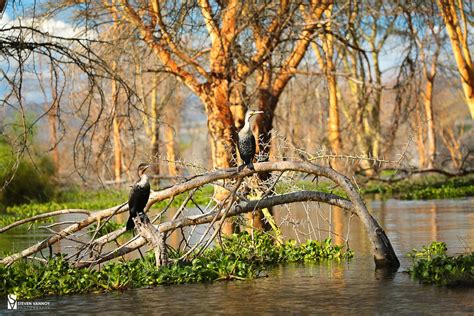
[(91, 252)]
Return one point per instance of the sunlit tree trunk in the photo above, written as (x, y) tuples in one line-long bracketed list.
[(458, 32), (334, 135), (428, 106), (420, 138), (170, 151), (238, 106), (271, 85), (53, 126), (116, 123), (325, 59)]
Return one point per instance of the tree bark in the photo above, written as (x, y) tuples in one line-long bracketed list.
[(334, 135), (155, 129), (420, 138), (170, 151), (3, 5), (116, 123), (155, 239), (459, 43), (428, 106)]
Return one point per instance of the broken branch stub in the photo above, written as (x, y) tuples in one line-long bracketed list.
[(155, 239)]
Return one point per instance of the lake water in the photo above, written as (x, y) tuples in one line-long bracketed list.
[(346, 287)]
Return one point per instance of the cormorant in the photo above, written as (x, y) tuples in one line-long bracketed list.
[(246, 143), (138, 197)]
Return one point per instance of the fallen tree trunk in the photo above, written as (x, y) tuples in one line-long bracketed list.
[(241, 208), (384, 255)]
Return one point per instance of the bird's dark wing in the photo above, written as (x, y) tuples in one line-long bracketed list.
[(246, 146), (253, 146), (138, 199)]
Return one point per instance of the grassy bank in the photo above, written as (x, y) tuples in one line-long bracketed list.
[(239, 257)]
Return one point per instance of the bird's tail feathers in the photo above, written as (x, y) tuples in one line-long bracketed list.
[(130, 223)]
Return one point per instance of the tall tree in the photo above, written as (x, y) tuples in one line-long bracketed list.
[(272, 80), (325, 53), (369, 25), (183, 34), (425, 31), (457, 27)]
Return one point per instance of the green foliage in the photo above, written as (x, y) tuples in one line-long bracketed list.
[(90, 200), (30, 182), (239, 257), (433, 266), (427, 187), (18, 212)]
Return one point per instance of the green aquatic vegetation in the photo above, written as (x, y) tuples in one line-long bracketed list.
[(421, 188), (432, 265), (90, 200), (239, 257), (18, 212)]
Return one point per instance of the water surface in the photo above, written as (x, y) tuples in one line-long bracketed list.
[(346, 287)]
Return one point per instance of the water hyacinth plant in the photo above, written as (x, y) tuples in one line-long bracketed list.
[(238, 257), (432, 265)]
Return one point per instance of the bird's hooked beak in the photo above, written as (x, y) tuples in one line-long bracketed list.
[(256, 112), (142, 168)]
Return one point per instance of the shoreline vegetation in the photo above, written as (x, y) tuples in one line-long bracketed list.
[(239, 257)]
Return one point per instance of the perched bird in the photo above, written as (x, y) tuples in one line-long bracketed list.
[(138, 197), (246, 143)]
